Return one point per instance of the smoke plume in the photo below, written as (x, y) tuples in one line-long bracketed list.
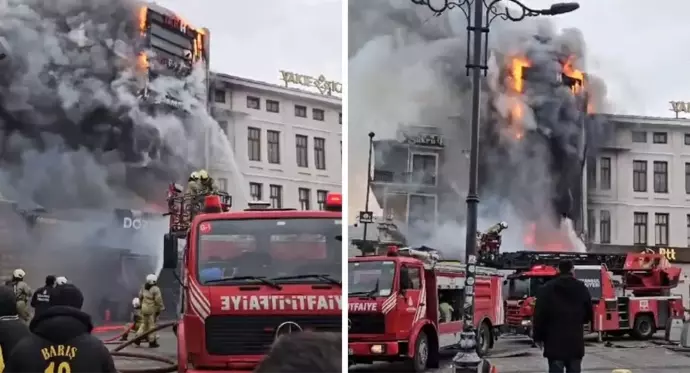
[(407, 67), (74, 134)]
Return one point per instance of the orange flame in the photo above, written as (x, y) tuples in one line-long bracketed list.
[(578, 75), (142, 62), (143, 15), (517, 69), (543, 241)]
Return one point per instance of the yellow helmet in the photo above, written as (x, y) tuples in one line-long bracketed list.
[(203, 175), (194, 176)]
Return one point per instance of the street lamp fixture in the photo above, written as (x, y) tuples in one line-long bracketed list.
[(366, 217), (479, 15)]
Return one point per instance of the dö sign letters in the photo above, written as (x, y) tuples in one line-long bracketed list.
[(325, 87)]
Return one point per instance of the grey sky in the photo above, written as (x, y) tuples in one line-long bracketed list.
[(255, 39), (639, 49)]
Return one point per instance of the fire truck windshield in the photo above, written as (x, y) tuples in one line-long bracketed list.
[(295, 250), (523, 287), (371, 278)]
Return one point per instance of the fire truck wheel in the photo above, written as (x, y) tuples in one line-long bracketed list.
[(644, 327), (421, 354), (483, 339)]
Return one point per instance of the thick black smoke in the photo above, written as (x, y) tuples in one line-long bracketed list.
[(76, 136), (408, 67)]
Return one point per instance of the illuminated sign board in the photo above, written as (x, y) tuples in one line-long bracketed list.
[(679, 107), (323, 85)]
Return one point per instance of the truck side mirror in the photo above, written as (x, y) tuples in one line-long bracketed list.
[(170, 254)]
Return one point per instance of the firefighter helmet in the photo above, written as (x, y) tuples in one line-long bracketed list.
[(151, 279), (19, 273)]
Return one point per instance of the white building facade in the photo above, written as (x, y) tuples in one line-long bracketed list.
[(639, 188), (287, 142)]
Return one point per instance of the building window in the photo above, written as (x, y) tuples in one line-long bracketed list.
[(340, 118), (591, 225), (253, 103), (605, 173), (661, 229), (424, 167), (254, 143), (687, 178), (272, 106), (321, 199), (302, 146), (256, 191), (223, 184), (304, 198), (687, 139), (640, 228), (660, 138), (300, 111), (639, 176), (660, 177), (273, 138), (320, 153), (592, 175), (639, 136), (219, 96), (318, 114), (276, 194), (422, 210), (604, 226)]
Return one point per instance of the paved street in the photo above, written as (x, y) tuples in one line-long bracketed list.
[(639, 357), (168, 349)]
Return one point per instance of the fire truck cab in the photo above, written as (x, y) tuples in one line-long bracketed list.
[(631, 292), (407, 305), (251, 276)]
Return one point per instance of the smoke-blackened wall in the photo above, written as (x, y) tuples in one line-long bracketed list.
[(74, 132), (408, 67)]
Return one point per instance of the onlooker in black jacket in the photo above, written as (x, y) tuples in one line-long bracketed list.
[(316, 352), (61, 339), (563, 306), (41, 298), (12, 329)]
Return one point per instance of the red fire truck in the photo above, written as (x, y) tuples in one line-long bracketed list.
[(251, 276), (631, 292), (397, 311)]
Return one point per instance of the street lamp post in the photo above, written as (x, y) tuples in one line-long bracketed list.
[(479, 15), (367, 217)]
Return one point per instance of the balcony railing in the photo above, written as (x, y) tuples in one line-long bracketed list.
[(413, 178)]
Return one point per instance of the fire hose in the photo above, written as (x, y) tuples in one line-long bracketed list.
[(171, 365)]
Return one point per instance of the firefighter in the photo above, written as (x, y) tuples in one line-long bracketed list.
[(208, 185), (193, 186), (136, 318), (151, 307), (446, 310), (22, 293), (41, 298)]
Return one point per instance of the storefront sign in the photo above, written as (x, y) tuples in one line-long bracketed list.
[(424, 139), (324, 86), (680, 107), (673, 254)]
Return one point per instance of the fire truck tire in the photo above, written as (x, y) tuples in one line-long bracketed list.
[(483, 339), (418, 363), (644, 327)]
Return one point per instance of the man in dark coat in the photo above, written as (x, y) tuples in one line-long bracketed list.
[(41, 298), (61, 339), (563, 306), (12, 329)]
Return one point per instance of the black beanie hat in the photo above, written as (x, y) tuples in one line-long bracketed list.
[(67, 295)]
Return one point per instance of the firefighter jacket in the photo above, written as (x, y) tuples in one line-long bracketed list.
[(209, 186), (22, 291), (151, 300), (136, 315)]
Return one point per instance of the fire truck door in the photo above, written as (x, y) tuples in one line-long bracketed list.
[(411, 303)]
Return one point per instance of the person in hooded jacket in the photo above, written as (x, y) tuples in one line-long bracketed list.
[(41, 298), (61, 339), (12, 329), (563, 306)]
